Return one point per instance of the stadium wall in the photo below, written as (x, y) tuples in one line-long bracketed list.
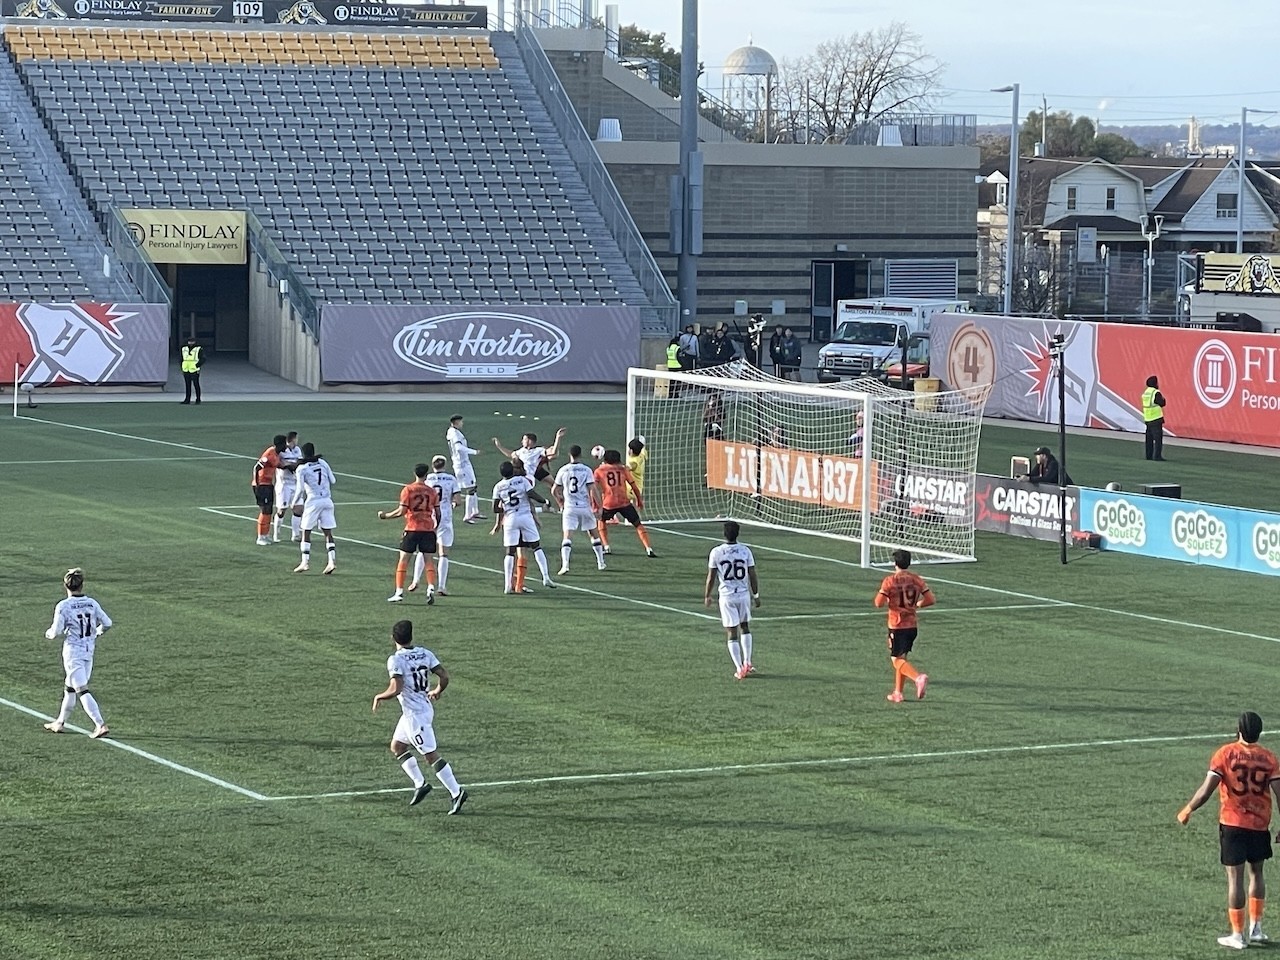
[(278, 342)]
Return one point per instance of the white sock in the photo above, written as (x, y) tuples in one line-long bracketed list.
[(331, 548), (746, 648), (419, 565), (68, 706), (443, 575), (541, 557), (410, 766), (566, 550), (473, 504), (91, 707), (735, 651), (295, 525), (275, 525), (598, 547), (444, 773), (306, 551), (508, 571)]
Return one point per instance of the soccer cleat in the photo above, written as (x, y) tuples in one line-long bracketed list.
[(922, 681), (508, 590), (329, 568), (549, 583), (54, 726), (458, 801), (650, 554), (750, 668), (99, 731), (442, 592), (264, 541), (303, 567), (1235, 941), (419, 793), (607, 551), (396, 597), (295, 538), (563, 572), (894, 697), (1256, 935), (413, 586), (740, 673), (524, 590), (601, 566), (275, 538), (431, 595)]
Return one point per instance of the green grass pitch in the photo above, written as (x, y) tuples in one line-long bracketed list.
[(629, 798)]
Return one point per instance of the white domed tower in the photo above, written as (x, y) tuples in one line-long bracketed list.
[(750, 79)]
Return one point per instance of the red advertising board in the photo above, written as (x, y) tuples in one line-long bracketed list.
[(64, 343), (1219, 386)]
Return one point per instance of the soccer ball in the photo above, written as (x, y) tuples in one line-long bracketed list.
[(598, 451)]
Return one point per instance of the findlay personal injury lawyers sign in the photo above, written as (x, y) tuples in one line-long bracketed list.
[(189, 236)]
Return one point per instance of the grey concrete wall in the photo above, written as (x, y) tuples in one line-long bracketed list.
[(278, 343)]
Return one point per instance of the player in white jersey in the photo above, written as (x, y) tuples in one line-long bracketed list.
[(79, 620), (286, 486), (512, 499), (446, 485), (532, 457), (576, 491), (410, 669), (734, 566), (461, 453), (315, 493)]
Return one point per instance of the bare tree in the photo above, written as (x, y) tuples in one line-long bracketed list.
[(855, 79)]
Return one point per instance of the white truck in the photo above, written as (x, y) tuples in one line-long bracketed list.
[(868, 331)]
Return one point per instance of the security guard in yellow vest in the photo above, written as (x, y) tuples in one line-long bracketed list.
[(1153, 417), (673, 365), (192, 361)]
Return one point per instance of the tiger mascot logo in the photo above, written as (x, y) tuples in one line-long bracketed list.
[(41, 10), (304, 12), (1256, 275)]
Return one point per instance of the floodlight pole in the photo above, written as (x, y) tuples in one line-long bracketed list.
[(1059, 351), (1011, 203), (1244, 120), (690, 176)]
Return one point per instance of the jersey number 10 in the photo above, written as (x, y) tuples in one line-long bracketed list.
[(421, 678)]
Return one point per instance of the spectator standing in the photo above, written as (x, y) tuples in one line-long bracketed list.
[(719, 350), (775, 350), (1153, 416), (688, 352), (791, 353)]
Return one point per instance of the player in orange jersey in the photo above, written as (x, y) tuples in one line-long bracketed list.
[(904, 593), (420, 507), (617, 487), (1245, 776), (263, 482)]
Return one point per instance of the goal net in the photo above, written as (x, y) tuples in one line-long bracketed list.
[(855, 461)]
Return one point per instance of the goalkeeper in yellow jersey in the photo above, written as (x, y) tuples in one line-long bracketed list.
[(637, 458)]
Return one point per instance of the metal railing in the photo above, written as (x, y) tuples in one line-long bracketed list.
[(660, 315), (917, 130), (279, 269), (135, 260)]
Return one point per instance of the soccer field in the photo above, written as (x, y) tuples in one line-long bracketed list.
[(629, 799)]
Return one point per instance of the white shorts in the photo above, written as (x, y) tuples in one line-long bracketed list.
[(415, 729), (578, 519), (465, 474), (78, 668), (284, 494), (735, 609), (517, 527), (318, 513), (444, 534)]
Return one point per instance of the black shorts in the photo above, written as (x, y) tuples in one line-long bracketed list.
[(418, 541), (902, 640), (541, 474), (265, 496), (1240, 846), (627, 513)]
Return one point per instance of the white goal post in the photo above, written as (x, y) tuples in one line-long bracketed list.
[(855, 461)]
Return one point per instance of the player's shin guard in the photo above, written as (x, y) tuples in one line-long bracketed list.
[(746, 648), (443, 563), (444, 773), (409, 764), (306, 551), (508, 572), (331, 548), (541, 557), (419, 563), (566, 551), (275, 525), (473, 505), (522, 569), (430, 570), (91, 708), (68, 705), (598, 548), (402, 567), (735, 652), (264, 524)]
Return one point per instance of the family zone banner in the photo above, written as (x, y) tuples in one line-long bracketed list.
[(524, 344), (1219, 386), (67, 343)]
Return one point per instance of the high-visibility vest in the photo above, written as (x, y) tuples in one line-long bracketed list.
[(673, 360), (190, 359), (1149, 409)]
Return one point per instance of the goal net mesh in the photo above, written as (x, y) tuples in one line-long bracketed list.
[(856, 461)]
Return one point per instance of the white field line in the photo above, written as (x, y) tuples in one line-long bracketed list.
[(732, 768), (22, 463), (1168, 621), (127, 748), (927, 612), (560, 584), (341, 503)]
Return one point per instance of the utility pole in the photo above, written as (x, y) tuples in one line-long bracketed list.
[(686, 187)]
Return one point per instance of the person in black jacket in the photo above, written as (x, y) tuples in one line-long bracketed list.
[(1047, 470), (718, 351)]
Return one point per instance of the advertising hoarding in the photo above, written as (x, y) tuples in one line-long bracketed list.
[(84, 343)]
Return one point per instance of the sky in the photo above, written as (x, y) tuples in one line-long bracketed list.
[(1126, 61)]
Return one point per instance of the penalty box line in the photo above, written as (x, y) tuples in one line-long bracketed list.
[(144, 754), (737, 768)]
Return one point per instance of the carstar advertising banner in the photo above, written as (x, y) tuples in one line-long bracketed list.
[(1184, 530), (89, 343), (1021, 509), (1219, 386), (516, 344)]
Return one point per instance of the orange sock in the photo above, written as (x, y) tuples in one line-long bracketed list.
[(1255, 909), (1236, 916), (264, 524), (431, 573), (644, 537), (603, 533), (906, 669), (897, 674), (401, 568), (522, 566)]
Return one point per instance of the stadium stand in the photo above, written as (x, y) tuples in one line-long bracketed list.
[(410, 167)]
